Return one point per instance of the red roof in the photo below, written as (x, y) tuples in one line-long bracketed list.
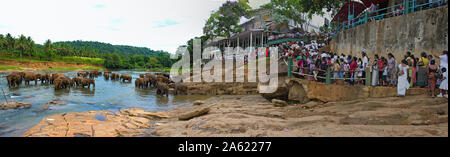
[(368, 3), (355, 7)]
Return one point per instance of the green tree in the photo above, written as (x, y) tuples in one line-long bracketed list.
[(153, 62), (299, 10), (9, 43), (225, 21), (21, 44), (2, 42)]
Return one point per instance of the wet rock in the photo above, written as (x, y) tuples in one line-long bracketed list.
[(47, 106), (279, 103), (138, 112), (311, 104), (195, 113), (199, 102), (14, 105), (90, 124)]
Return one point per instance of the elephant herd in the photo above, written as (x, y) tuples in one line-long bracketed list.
[(58, 80), (160, 81)]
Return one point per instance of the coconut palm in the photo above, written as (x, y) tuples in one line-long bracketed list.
[(21, 44)]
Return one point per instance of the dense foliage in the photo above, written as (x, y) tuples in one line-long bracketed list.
[(111, 56), (225, 21), (297, 10)]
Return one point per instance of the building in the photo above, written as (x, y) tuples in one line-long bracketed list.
[(258, 30)]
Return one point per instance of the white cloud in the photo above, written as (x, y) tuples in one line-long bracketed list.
[(159, 25)]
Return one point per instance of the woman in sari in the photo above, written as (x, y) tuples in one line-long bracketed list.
[(432, 77), (422, 72), (403, 83), (413, 71), (375, 71)]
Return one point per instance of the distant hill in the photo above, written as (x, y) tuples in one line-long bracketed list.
[(109, 48)]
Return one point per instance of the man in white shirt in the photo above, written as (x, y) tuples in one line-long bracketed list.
[(365, 61)]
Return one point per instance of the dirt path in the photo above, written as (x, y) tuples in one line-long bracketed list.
[(254, 116)]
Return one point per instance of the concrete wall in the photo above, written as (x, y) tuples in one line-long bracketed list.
[(416, 32)]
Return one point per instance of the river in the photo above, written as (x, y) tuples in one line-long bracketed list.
[(107, 95)]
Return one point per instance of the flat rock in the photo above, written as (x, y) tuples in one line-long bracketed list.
[(90, 124), (14, 105), (279, 103), (311, 104), (195, 113), (199, 102), (138, 112)]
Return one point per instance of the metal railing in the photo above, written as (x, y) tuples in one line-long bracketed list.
[(328, 74)]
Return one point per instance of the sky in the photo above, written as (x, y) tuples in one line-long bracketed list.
[(158, 25)]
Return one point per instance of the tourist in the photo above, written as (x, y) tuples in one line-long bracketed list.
[(422, 72), (353, 68), (381, 69), (413, 71), (375, 77), (402, 84), (392, 70), (336, 70), (443, 59), (432, 72), (444, 84), (385, 73)]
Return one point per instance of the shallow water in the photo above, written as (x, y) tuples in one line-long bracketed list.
[(107, 95)]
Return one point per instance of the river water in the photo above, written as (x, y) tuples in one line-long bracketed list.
[(107, 95)]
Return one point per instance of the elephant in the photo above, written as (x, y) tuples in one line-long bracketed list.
[(55, 76), (140, 83), (83, 74), (180, 88), (62, 82), (45, 78), (126, 77), (77, 80), (21, 74), (14, 80), (87, 82), (106, 75), (164, 79), (30, 77), (114, 76), (141, 75), (162, 88), (94, 74)]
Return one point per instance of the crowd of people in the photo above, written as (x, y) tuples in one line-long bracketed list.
[(421, 72), (290, 35)]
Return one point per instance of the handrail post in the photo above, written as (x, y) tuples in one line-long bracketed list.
[(328, 81), (406, 8), (290, 67), (365, 18), (368, 77)]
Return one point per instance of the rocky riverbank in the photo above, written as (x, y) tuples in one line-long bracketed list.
[(254, 116)]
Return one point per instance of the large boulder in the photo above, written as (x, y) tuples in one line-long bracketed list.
[(195, 113)]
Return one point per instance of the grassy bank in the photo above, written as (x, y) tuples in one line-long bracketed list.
[(72, 59), (75, 68), (10, 67)]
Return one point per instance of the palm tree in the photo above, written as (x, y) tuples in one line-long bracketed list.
[(30, 47), (21, 44), (9, 43), (2, 38)]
